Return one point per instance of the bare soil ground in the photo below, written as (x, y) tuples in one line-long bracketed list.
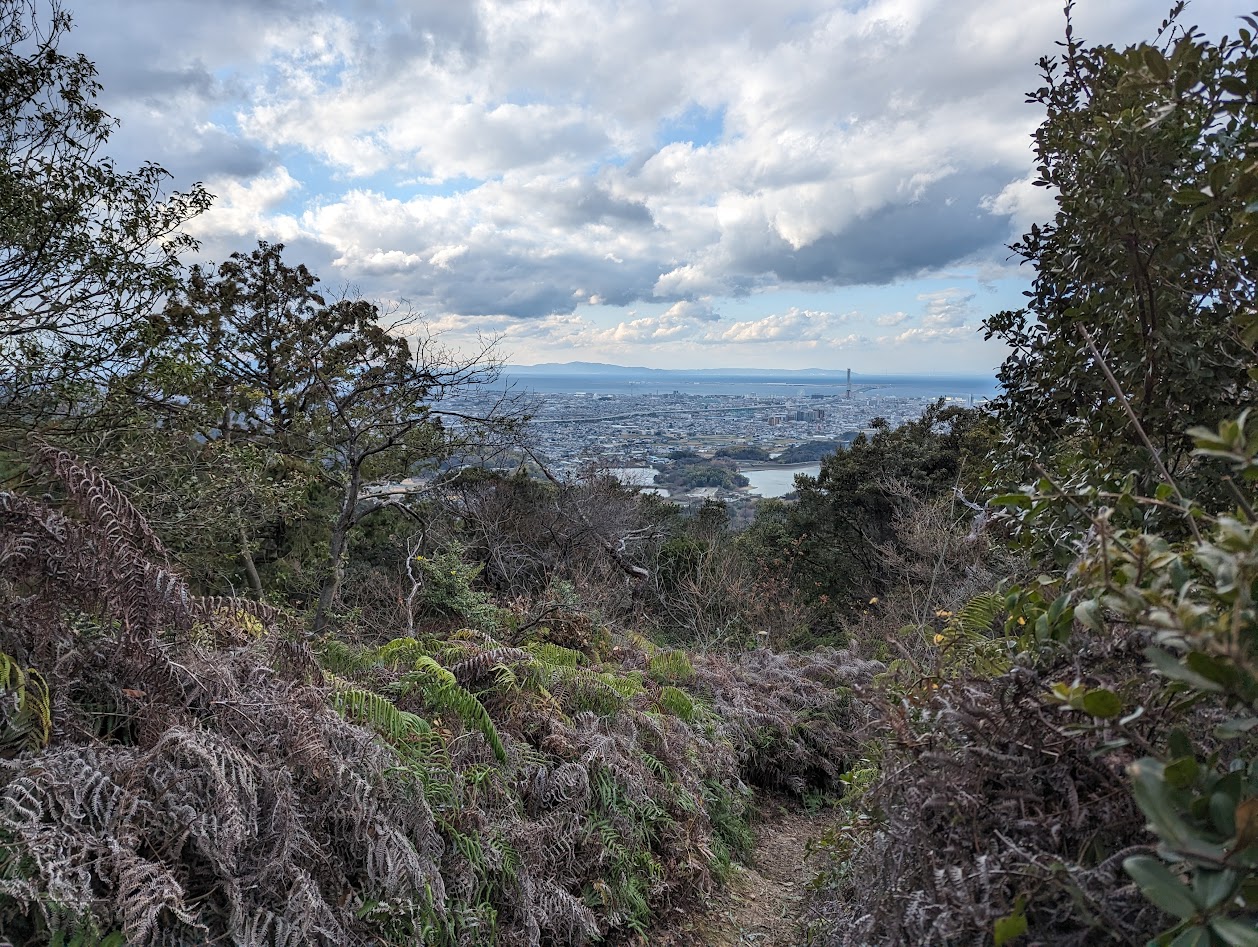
[(762, 904)]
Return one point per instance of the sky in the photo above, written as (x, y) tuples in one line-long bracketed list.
[(670, 183)]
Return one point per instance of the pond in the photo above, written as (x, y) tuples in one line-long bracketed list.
[(777, 481)]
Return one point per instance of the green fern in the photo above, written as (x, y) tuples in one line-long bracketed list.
[(507, 679), (605, 790), (401, 728), (80, 931), (678, 703), (628, 684), (670, 666), (26, 717), (401, 653), (340, 658), (624, 888), (967, 639), (469, 846), (430, 765), (555, 655), (438, 688), (88, 938), (980, 613), (643, 643), (602, 692)]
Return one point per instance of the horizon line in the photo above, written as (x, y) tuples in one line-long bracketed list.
[(752, 368)]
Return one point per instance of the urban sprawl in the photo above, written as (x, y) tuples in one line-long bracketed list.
[(636, 434)]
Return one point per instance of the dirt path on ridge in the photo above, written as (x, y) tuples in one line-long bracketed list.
[(762, 904)]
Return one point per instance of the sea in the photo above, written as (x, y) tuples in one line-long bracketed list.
[(786, 385)]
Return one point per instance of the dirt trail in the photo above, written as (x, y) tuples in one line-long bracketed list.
[(762, 904)]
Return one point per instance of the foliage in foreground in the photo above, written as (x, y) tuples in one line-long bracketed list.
[(196, 773), (1073, 757)]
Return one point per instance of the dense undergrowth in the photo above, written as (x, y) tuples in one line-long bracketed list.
[(211, 773)]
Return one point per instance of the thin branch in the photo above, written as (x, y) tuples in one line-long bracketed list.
[(616, 555), (1101, 528), (1240, 498), (1144, 438)]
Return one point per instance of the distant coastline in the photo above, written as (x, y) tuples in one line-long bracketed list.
[(605, 368), (597, 379)]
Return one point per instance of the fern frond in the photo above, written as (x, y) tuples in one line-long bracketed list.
[(677, 702), (237, 608), (628, 684), (980, 613), (555, 655), (968, 638), (25, 707), (506, 679), (338, 657), (439, 689), (472, 669), (400, 653), (101, 503), (643, 643), (88, 564), (565, 916), (586, 689), (146, 889), (357, 705), (670, 666)]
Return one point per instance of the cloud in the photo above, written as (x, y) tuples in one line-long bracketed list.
[(1023, 203), (794, 325), (947, 308), (699, 324), (920, 334), (248, 207), (689, 311), (504, 161), (684, 320)]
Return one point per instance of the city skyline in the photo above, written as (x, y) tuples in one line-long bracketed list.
[(807, 184)]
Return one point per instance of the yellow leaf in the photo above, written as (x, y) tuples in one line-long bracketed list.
[(1246, 823)]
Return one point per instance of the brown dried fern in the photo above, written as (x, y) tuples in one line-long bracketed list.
[(99, 502)]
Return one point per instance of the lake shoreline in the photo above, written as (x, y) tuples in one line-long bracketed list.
[(759, 465)]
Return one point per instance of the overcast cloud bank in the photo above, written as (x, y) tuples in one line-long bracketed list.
[(687, 183)]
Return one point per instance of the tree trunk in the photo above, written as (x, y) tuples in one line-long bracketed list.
[(251, 568), (336, 551)]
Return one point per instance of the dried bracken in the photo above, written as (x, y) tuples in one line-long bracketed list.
[(194, 771), (991, 802)]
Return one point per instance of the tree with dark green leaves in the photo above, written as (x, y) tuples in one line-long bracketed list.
[(808, 452), (86, 249), (346, 402), (1144, 269), (831, 541), (1175, 369)]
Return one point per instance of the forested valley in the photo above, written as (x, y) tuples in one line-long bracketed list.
[(296, 650)]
